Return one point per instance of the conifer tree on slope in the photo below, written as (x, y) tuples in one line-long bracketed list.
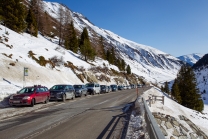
[(166, 88), (189, 92), (31, 23), (13, 14), (71, 41), (37, 7), (175, 92), (128, 69), (101, 43), (123, 64), (85, 46)]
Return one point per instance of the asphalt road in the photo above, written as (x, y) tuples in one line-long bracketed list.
[(91, 117)]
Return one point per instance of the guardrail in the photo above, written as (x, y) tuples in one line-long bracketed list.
[(152, 127)]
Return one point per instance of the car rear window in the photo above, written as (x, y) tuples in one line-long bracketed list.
[(26, 90), (58, 87)]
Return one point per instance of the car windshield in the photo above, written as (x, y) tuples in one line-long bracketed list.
[(77, 86), (27, 90), (102, 86), (58, 87), (90, 85)]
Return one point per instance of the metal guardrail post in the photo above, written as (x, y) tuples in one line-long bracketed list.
[(152, 128)]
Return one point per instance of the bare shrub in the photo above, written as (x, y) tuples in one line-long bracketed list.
[(81, 68), (42, 61), (9, 56), (12, 64), (60, 49), (55, 61), (6, 39), (71, 65), (103, 77)]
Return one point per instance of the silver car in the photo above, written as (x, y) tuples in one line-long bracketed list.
[(80, 90)]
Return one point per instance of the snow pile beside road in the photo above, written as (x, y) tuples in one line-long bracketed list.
[(176, 110)]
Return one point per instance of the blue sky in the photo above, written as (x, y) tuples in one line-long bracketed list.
[(177, 27)]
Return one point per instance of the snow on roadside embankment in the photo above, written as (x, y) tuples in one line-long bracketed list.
[(175, 110)]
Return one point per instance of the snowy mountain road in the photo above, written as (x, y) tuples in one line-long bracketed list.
[(91, 117)]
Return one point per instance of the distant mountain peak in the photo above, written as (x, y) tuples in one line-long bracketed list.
[(191, 59)]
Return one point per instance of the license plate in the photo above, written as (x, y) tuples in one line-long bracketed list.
[(16, 101)]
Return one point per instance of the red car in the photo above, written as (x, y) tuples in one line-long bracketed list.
[(30, 96)]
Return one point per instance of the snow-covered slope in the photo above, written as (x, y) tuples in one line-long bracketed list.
[(14, 55), (191, 59), (153, 64), (174, 109)]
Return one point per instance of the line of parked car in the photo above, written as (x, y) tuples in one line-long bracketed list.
[(38, 94)]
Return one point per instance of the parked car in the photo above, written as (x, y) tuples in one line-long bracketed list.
[(80, 90), (139, 85), (30, 96), (120, 87), (114, 87), (104, 89), (128, 87), (109, 88), (124, 87), (93, 88), (62, 92)]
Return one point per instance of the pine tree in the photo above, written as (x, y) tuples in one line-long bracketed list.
[(166, 89), (31, 23), (128, 69), (13, 14), (108, 55), (1, 17), (101, 44), (113, 56), (71, 41), (85, 46), (162, 88), (175, 92), (123, 64), (61, 22), (188, 89), (36, 6), (45, 25)]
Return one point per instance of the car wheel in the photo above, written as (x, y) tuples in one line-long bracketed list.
[(32, 103), (64, 98), (86, 94), (46, 101)]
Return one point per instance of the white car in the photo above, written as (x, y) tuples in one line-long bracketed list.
[(93, 88)]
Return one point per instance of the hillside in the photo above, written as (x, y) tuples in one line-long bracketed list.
[(22, 50), (154, 65)]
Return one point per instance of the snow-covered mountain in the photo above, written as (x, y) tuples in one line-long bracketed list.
[(23, 50), (146, 61), (191, 59), (201, 70)]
